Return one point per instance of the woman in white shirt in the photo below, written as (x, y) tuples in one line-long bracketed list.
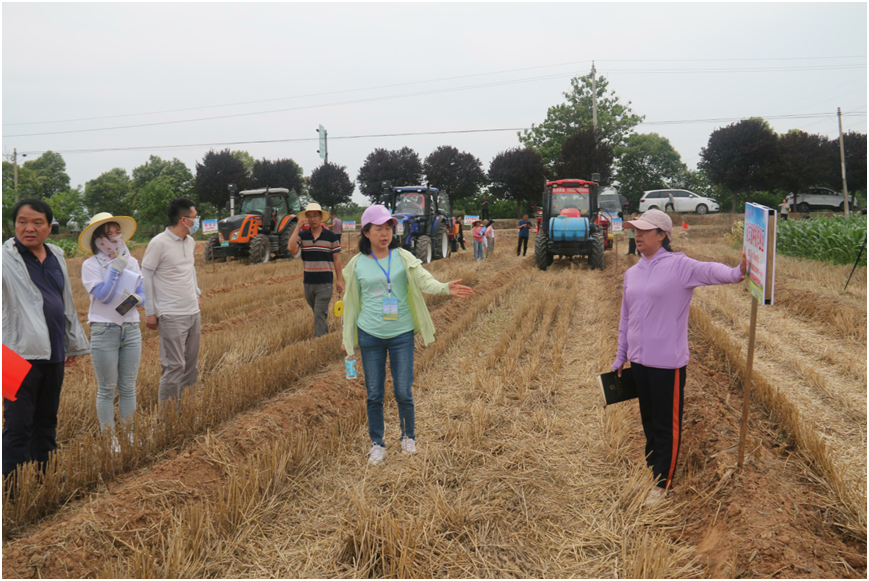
[(110, 276)]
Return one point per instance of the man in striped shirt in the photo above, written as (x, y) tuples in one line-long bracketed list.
[(321, 250)]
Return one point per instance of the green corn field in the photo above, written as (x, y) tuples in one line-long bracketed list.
[(836, 240)]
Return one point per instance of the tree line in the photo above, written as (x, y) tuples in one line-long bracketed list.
[(744, 161)]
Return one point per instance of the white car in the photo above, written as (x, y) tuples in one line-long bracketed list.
[(683, 201), (819, 198)]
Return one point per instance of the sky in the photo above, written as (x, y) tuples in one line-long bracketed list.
[(373, 69)]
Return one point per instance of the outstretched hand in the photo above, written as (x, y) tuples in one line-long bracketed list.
[(460, 290)]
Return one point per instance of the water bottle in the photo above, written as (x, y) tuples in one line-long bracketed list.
[(350, 366)]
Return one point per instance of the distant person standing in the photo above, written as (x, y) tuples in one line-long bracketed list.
[(41, 325), (524, 233), (484, 209), (337, 227), (632, 240), (671, 206), (172, 304), (785, 209), (460, 223), (321, 252), (479, 233), (490, 239)]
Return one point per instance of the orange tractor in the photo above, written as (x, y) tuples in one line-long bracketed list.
[(261, 230)]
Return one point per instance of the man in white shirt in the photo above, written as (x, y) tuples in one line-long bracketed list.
[(172, 299)]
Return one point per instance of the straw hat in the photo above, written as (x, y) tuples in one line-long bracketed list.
[(475, 222), (127, 224), (314, 207)]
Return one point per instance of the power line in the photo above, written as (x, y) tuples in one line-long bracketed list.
[(438, 91), (421, 133), (393, 85)]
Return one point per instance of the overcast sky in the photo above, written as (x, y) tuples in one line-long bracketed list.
[(323, 64)]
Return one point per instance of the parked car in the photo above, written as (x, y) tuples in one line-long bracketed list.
[(683, 201), (819, 199)]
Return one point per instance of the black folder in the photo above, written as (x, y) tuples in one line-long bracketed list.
[(615, 388)]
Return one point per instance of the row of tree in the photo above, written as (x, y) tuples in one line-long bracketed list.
[(739, 161)]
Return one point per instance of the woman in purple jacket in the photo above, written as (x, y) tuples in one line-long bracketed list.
[(653, 335)]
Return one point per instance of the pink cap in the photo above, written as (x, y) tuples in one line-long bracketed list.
[(377, 215), (651, 220)]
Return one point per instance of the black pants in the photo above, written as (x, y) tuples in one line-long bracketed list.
[(523, 240), (485, 213), (632, 246), (662, 399), (30, 422)]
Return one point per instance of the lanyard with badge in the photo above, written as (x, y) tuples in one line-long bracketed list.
[(390, 305)]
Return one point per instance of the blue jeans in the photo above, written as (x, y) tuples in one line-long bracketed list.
[(478, 251), (116, 352), (373, 350)]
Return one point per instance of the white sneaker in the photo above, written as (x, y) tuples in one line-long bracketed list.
[(116, 445), (656, 496), (408, 445), (376, 455)]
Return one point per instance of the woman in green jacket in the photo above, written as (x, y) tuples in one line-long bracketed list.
[(383, 310)]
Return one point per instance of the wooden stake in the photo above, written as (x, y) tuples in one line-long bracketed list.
[(743, 430)]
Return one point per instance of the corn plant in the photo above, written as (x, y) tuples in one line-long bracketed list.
[(835, 240)]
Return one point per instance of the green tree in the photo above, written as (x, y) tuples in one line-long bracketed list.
[(647, 161), (330, 185), (214, 173), (459, 173), (615, 119), (50, 170), (280, 173), (807, 160), (742, 157), (69, 205), (584, 154), (402, 167), (173, 172), (111, 192), (245, 158), (855, 160), (154, 198), (518, 174), (28, 184)]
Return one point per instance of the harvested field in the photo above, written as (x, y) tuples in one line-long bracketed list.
[(520, 472)]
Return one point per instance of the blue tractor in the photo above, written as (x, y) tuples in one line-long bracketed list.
[(425, 218), (571, 225)]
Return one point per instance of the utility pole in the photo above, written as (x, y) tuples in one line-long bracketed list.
[(842, 158), (594, 97), (15, 171), (324, 144)]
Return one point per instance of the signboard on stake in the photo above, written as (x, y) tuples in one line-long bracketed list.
[(209, 226), (351, 226), (617, 225), (759, 247), (470, 220), (759, 243)]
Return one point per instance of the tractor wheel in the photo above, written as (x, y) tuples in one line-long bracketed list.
[(209, 248), (441, 242), (803, 207), (423, 249), (284, 240), (260, 249), (595, 257), (542, 257)]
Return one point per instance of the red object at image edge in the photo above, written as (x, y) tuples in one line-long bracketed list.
[(15, 369)]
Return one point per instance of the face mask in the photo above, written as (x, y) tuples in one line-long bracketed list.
[(111, 246), (195, 228)]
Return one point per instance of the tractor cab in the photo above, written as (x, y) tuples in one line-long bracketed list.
[(571, 224), (425, 222), (262, 228)]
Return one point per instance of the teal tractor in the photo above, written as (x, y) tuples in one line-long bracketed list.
[(571, 224)]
